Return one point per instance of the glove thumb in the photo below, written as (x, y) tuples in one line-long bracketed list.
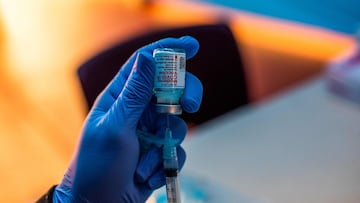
[(136, 93)]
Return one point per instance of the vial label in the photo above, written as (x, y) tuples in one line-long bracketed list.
[(170, 69)]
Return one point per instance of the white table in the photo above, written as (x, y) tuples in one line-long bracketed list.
[(299, 147)]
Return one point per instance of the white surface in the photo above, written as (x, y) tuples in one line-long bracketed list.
[(198, 190), (302, 146)]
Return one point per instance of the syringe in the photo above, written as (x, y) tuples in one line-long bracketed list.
[(169, 84), (171, 167)]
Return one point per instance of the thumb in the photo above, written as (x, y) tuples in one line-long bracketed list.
[(135, 95)]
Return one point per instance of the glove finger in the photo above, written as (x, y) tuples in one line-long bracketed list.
[(111, 92), (135, 96), (187, 43), (151, 160), (157, 179), (193, 93)]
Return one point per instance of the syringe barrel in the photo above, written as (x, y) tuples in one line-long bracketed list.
[(172, 186)]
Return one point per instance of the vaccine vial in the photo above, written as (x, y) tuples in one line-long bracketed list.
[(169, 80)]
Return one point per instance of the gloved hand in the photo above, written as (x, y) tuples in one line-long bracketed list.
[(108, 165)]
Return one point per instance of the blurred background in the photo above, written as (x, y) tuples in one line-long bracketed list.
[(42, 44)]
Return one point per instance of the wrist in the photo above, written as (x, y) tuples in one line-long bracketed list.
[(61, 195)]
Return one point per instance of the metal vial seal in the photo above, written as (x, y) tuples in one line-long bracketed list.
[(169, 80)]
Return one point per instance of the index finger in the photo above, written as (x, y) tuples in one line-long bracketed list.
[(187, 43)]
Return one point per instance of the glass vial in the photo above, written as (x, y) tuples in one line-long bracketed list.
[(169, 80)]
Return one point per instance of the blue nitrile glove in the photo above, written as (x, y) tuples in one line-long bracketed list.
[(108, 165)]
